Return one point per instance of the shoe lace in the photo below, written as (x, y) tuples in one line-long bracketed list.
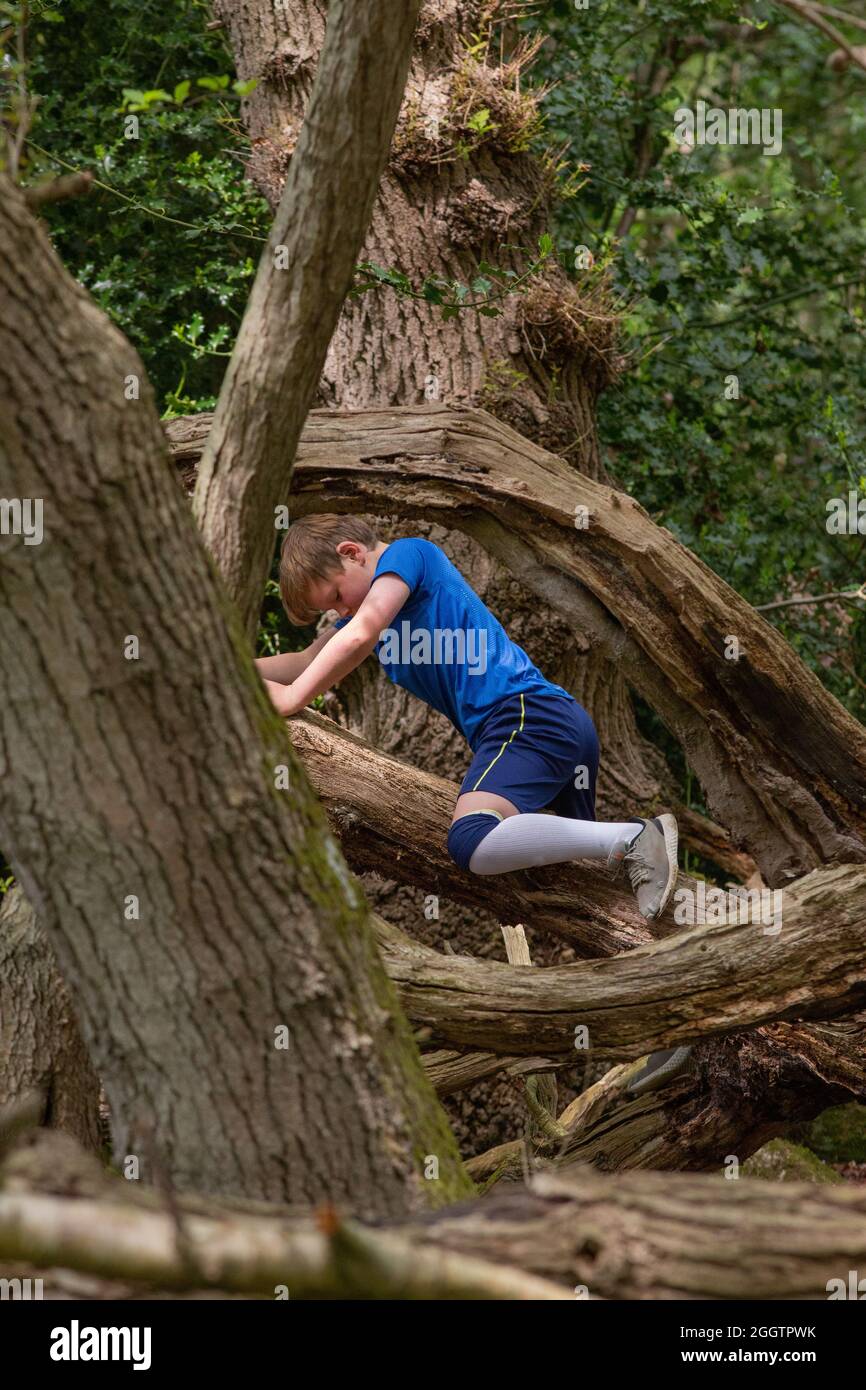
[(638, 866)]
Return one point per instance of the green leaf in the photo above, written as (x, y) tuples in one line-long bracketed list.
[(181, 91), (480, 121), (243, 89)]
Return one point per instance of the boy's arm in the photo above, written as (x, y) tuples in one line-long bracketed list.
[(346, 648), (287, 666)]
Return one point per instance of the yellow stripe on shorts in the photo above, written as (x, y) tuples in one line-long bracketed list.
[(503, 748)]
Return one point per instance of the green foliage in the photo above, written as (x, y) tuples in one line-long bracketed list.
[(737, 265), (169, 240)]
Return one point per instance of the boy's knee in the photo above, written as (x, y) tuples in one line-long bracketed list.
[(466, 834)]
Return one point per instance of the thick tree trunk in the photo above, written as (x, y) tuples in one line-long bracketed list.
[(220, 954), (42, 1052)]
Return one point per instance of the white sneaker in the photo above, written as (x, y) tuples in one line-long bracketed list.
[(650, 857)]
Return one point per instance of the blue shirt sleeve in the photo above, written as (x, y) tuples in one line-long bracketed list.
[(405, 559)]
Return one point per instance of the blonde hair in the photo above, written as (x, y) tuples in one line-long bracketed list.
[(309, 552)]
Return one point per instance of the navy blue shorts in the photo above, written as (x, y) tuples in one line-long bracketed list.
[(538, 750)]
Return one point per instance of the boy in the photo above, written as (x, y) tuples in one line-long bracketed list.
[(534, 747)]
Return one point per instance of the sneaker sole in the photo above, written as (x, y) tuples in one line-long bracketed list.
[(671, 833)]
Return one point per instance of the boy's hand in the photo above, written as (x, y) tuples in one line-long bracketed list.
[(282, 699)]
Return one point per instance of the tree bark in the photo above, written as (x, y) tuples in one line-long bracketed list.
[(305, 272), (197, 903), (42, 1052)]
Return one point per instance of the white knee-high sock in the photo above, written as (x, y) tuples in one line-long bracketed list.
[(527, 841)]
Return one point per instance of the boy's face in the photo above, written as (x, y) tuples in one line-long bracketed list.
[(346, 589)]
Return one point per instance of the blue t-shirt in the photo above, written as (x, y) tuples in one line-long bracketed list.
[(445, 645)]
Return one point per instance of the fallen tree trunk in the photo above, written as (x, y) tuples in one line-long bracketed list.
[(646, 1235), (701, 982), (782, 763), (251, 1255)]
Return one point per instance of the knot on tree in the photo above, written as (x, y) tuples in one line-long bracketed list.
[(283, 65), (477, 215)]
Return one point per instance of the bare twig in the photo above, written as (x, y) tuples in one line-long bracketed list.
[(815, 598), (23, 108), (812, 16), (852, 19)]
